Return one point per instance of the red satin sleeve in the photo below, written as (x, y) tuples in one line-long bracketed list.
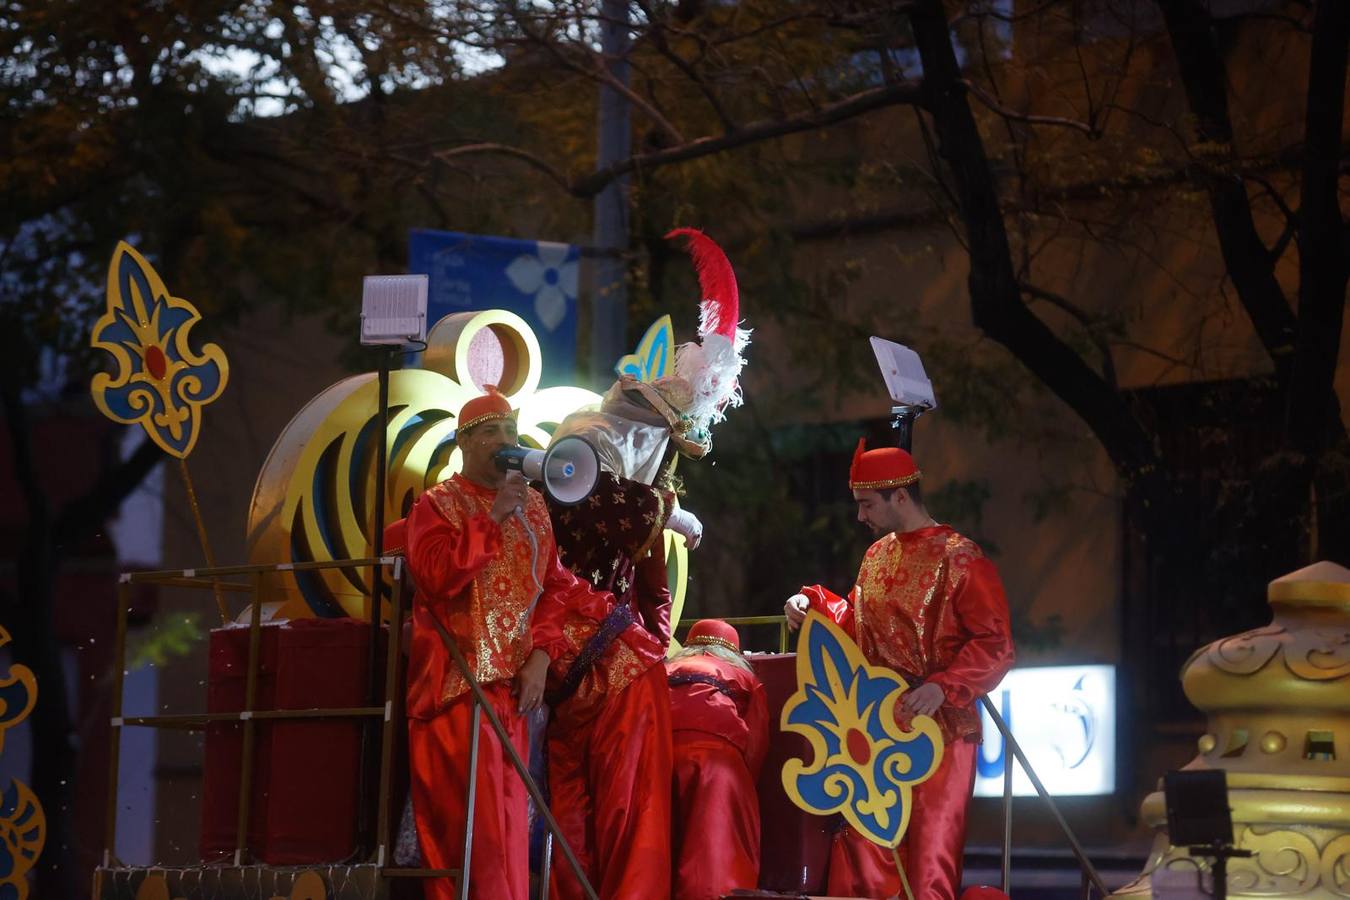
[(833, 607), (982, 610), (445, 556), (653, 593), (564, 594), (757, 724)]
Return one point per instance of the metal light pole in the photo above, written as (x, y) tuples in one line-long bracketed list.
[(609, 239)]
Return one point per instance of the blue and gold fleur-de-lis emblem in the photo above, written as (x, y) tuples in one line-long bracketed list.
[(158, 381), (655, 356), (23, 827), (18, 694), (863, 765)]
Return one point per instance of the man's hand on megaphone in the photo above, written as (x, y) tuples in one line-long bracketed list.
[(795, 610), (511, 497), (685, 523)]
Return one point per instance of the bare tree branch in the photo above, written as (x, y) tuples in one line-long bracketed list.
[(1249, 263), (766, 129), (1090, 190), (599, 71), (1087, 128), (995, 295), (657, 33), (513, 152), (1091, 326)]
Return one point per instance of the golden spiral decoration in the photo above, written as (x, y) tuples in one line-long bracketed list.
[(314, 497)]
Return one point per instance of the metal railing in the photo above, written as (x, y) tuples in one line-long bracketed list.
[(210, 580), (780, 621), (1091, 878), (390, 712)]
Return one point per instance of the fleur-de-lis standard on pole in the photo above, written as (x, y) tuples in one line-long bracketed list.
[(158, 381), (863, 764)]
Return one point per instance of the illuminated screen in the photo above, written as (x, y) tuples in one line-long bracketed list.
[(1064, 719)]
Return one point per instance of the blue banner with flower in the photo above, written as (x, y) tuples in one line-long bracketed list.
[(536, 280)]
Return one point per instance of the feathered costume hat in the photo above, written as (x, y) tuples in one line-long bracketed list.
[(712, 365), (706, 378)]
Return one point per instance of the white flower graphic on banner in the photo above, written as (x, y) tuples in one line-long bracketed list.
[(550, 276)]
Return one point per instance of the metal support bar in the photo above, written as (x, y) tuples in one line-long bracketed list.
[(392, 708), (420, 873), (1010, 743), (367, 770), (250, 701), (209, 579), (1007, 819), (472, 798), (115, 748), (177, 580), (547, 868), (198, 721), (202, 577), (523, 770)]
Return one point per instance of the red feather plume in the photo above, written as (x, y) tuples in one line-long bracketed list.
[(720, 309)]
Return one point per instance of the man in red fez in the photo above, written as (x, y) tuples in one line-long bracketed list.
[(721, 729), (471, 558), (930, 606)]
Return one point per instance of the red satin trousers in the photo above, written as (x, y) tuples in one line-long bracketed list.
[(438, 751), (715, 818), (933, 846), (610, 784)]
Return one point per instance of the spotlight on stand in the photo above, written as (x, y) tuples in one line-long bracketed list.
[(907, 383), (1198, 818), (393, 312), (569, 469)]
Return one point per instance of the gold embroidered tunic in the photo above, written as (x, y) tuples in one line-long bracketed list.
[(929, 605), (475, 576)]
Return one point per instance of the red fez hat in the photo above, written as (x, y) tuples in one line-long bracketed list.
[(983, 893), (491, 405), (713, 631), (877, 470)]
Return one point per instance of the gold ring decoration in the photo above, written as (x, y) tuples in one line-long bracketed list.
[(476, 349)]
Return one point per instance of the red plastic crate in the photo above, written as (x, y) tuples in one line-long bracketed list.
[(794, 854), (306, 776)]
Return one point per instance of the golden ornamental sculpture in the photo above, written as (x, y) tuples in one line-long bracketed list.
[(23, 824), (1277, 700), (314, 495)]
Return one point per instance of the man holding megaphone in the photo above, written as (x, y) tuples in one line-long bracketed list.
[(481, 549)]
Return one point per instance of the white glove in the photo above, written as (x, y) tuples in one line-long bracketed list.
[(685, 523)]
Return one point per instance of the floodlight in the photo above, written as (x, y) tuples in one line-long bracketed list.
[(393, 309)]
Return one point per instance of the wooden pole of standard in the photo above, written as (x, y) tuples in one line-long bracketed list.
[(201, 535)]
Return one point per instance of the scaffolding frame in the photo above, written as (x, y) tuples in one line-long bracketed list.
[(390, 712)]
